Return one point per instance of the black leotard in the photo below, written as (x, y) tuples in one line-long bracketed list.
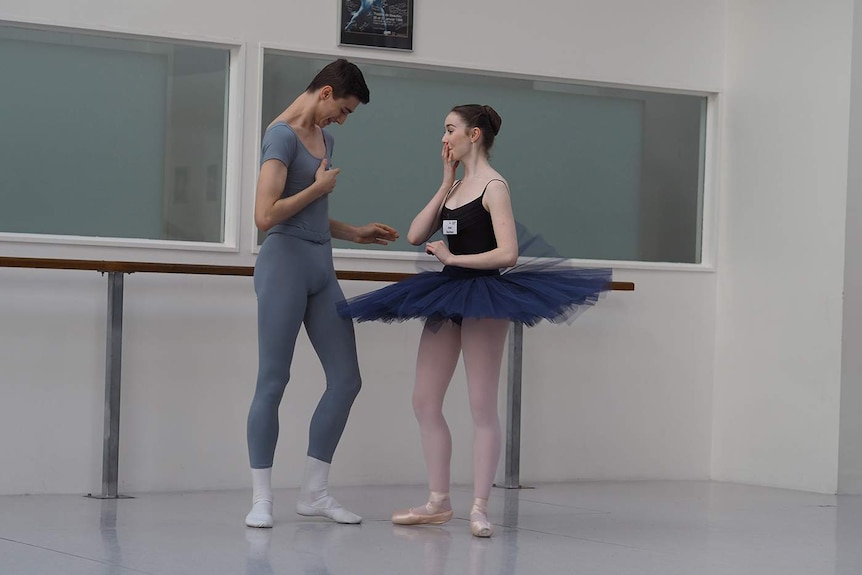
[(475, 230)]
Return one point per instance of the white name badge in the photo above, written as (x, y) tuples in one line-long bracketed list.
[(450, 227)]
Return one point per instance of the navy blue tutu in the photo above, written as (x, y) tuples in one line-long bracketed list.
[(527, 294)]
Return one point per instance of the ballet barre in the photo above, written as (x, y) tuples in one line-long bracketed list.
[(116, 271)]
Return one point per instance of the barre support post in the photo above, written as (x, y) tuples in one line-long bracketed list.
[(113, 371), (512, 462)]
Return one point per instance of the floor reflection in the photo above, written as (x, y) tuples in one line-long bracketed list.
[(110, 540)]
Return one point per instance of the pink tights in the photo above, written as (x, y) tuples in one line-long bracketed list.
[(482, 342)]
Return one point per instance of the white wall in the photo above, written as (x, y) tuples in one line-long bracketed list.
[(625, 392), (781, 256), (850, 445)]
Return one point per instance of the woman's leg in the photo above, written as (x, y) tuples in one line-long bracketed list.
[(438, 355), (482, 342), (435, 364)]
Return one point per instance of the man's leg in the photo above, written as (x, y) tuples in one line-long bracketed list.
[(333, 339), (281, 297)]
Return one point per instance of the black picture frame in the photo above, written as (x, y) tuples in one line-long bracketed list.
[(377, 23)]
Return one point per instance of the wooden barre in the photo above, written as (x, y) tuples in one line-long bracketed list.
[(198, 269)]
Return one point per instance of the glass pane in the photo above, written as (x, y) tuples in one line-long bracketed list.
[(111, 137), (595, 173)]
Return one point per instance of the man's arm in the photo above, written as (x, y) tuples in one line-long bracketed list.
[(270, 208), (368, 234), (341, 230)]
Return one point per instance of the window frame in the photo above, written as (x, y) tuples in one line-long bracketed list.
[(234, 110), (379, 260)]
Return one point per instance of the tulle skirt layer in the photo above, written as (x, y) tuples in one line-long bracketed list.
[(527, 294)]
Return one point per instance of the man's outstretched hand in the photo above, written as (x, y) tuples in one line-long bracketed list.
[(375, 234)]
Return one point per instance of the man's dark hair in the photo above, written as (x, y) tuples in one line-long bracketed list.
[(345, 78)]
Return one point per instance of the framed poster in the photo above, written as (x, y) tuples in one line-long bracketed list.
[(377, 23)]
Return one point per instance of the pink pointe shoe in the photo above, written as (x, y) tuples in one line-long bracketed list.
[(479, 524), (437, 511)]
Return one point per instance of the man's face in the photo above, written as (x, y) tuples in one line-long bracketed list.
[(336, 109)]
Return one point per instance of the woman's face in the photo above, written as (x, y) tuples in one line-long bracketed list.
[(456, 138)]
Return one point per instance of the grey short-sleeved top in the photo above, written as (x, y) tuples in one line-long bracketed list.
[(281, 143)]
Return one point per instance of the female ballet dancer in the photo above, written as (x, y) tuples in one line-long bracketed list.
[(468, 305)]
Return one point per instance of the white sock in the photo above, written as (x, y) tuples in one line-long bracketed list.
[(314, 498), (261, 499)]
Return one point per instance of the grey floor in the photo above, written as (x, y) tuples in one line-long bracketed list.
[(620, 528)]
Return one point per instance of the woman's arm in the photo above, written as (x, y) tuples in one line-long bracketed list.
[(427, 222)]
